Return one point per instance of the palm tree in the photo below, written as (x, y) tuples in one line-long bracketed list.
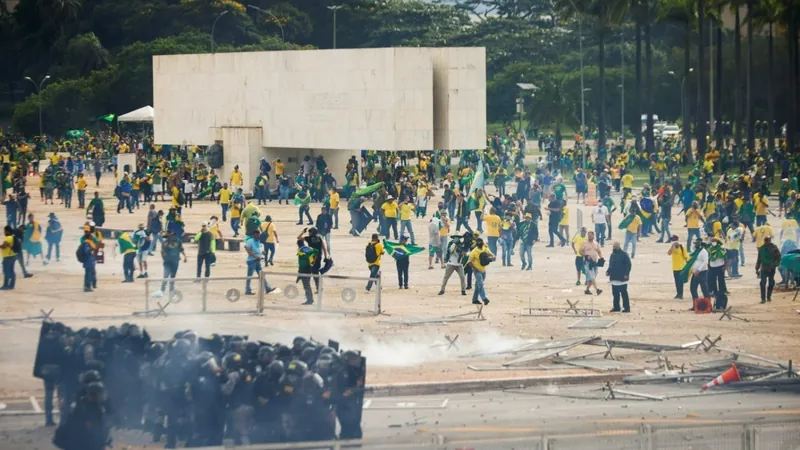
[(606, 14), (768, 13), (684, 13)]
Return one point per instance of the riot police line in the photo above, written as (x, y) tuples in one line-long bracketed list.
[(196, 391)]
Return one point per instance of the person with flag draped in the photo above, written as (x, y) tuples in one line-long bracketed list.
[(401, 251), (697, 268), (128, 251)]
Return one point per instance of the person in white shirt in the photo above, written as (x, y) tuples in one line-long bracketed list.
[(600, 219), (188, 189), (700, 271)]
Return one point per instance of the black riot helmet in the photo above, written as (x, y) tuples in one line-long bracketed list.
[(112, 332), (94, 334), (275, 371), (324, 365), (295, 371), (90, 376), (308, 355), (134, 331), (207, 361), (351, 358), (180, 348), (297, 344), (190, 336), (97, 365), (283, 353), (95, 392), (326, 350), (266, 354), (156, 350), (251, 350), (232, 361)]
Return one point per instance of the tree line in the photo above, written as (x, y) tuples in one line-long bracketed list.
[(98, 54)]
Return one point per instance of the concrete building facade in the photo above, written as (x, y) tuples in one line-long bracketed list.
[(290, 104)]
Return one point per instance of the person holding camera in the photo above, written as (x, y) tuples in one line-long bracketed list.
[(479, 258), (679, 259)]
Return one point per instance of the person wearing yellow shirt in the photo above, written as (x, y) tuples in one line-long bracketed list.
[(632, 233), (733, 242), (563, 225), (679, 259), (334, 208), (763, 232), (270, 235), (406, 211), (237, 178), (236, 217), (9, 258), (693, 219), (627, 183), (81, 183), (389, 209), (577, 243), (444, 232), (493, 222), (224, 200), (373, 252), (479, 270), (761, 205)]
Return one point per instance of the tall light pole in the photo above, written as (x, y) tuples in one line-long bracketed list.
[(214, 26), (277, 22), (334, 8), (39, 92), (683, 100), (622, 85), (580, 51)]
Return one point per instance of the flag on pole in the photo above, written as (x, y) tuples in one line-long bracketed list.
[(398, 250), (479, 180), (107, 117), (368, 190)]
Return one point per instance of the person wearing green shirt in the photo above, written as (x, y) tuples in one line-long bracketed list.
[(303, 199), (559, 189), (262, 188)]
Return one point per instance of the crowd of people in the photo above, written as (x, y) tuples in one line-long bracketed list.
[(195, 391), (497, 196)]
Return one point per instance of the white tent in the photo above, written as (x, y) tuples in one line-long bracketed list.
[(143, 114)]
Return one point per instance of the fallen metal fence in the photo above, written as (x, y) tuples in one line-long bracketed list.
[(267, 290)]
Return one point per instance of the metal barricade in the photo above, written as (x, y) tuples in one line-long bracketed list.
[(720, 437), (267, 290)]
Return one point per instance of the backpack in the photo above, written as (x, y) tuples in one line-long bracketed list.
[(17, 244), (370, 253), (181, 197), (80, 254), (485, 259)]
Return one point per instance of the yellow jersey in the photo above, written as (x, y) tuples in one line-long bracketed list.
[(81, 183), (475, 258), (279, 168), (334, 200), (762, 232), (225, 196), (236, 178), (578, 241), (406, 210), (236, 211), (679, 258), (389, 210), (627, 181), (692, 218), (269, 228), (493, 225), (564, 216), (8, 251), (633, 227), (378, 251)]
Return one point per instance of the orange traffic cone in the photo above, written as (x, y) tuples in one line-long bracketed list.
[(729, 376)]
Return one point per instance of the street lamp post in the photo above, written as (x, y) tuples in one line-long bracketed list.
[(622, 86), (277, 22), (214, 26), (683, 102), (39, 92), (580, 51), (334, 8)]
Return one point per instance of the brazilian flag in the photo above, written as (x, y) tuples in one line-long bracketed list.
[(368, 190), (398, 250), (107, 117), (626, 221), (687, 269), (204, 193), (125, 243)]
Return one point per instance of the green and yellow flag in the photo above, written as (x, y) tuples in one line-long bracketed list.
[(398, 250), (107, 117), (125, 243)]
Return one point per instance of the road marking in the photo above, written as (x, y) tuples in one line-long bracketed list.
[(367, 402), (35, 405), (707, 421), (3, 406), (444, 403), (387, 403), (777, 412)]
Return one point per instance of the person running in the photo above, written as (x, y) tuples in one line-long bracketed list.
[(479, 258), (269, 237), (302, 199), (592, 254), (373, 254), (454, 256), (619, 270)]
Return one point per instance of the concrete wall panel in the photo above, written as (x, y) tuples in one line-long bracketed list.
[(460, 97)]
